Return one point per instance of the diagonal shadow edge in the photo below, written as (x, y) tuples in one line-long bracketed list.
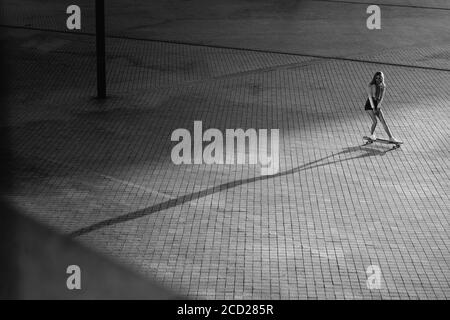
[(224, 186)]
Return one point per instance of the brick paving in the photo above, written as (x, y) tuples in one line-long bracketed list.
[(102, 171)]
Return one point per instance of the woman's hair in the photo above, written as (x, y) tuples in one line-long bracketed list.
[(378, 73)]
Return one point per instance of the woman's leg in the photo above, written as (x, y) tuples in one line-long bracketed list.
[(374, 121), (383, 122)]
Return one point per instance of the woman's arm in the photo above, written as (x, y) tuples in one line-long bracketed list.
[(369, 93), (383, 90)]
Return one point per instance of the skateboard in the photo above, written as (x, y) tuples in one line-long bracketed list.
[(369, 141)]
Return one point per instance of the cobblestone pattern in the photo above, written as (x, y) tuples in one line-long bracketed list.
[(335, 208), (432, 4), (222, 232), (327, 28), (437, 57)]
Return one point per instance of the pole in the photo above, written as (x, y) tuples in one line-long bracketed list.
[(100, 42)]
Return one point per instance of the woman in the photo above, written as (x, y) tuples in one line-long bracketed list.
[(375, 91)]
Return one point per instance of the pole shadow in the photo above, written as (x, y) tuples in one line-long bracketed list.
[(368, 152)]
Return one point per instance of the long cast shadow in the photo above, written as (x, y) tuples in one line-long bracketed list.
[(200, 194)]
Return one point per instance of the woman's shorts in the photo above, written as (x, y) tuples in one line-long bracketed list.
[(368, 106)]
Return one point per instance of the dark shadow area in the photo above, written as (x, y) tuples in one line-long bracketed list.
[(385, 4), (34, 259), (229, 185), (217, 46), (8, 256)]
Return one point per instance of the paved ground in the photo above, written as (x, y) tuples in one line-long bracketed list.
[(35, 260), (101, 171)]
